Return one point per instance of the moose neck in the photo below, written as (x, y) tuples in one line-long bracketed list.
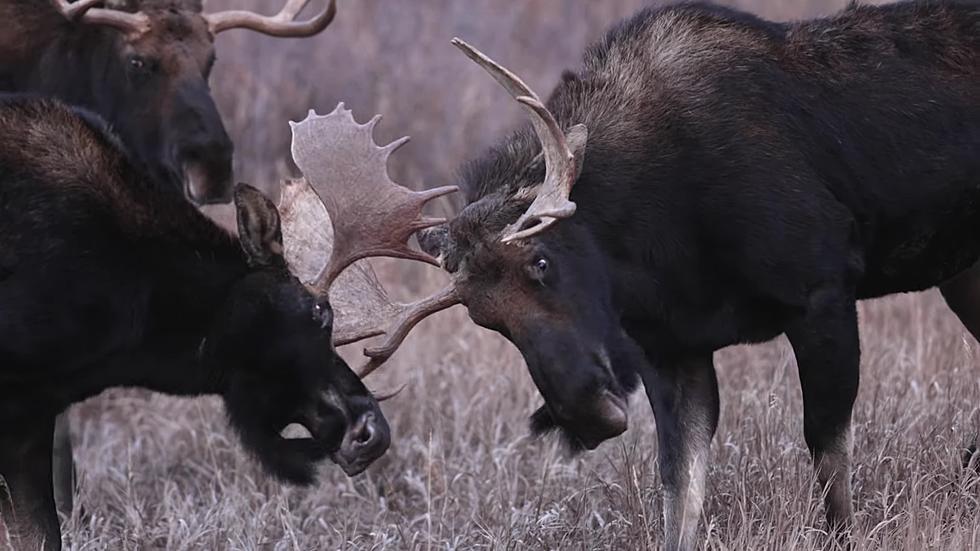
[(191, 283), (184, 267)]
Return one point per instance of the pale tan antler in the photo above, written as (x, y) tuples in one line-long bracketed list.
[(84, 11), (283, 24), (347, 209), (562, 163)]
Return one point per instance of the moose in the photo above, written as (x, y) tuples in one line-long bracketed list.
[(708, 178), (143, 66), (107, 280)]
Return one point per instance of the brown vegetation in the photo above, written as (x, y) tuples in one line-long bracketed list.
[(162, 473)]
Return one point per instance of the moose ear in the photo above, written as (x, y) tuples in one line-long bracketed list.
[(433, 241), (577, 137), (259, 229)]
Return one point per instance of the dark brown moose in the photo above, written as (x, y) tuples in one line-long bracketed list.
[(708, 178), (142, 66), (107, 280)]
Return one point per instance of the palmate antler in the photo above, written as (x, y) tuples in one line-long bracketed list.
[(345, 209), (372, 216)]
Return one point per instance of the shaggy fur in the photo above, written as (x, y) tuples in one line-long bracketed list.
[(742, 179), (106, 281)]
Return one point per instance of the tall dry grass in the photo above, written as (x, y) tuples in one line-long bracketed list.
[(163, 473)]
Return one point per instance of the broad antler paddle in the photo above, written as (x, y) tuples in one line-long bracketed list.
[(345, 209)]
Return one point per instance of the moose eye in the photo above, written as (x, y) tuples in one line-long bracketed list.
[(323, 314), (139, 65), (538, 269)]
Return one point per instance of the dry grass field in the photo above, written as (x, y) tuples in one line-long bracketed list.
[(462, 472)]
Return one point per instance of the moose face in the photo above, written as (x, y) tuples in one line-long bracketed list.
[(152, 59), (273, 339), (550, 296), (540, 282), (162, 105)]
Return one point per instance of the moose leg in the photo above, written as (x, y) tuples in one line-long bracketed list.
[(962, 294), (827, 350), (26, 498), (684, 396), (63, 466)]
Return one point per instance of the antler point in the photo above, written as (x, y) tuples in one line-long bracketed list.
[(393, 146)]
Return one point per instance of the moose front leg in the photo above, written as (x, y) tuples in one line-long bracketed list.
[(26, 497), (825, 341), (684, 396)]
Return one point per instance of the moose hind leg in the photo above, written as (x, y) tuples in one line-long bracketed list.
[(63, 466), (962, 294), (26, 497), (827, 350), (684, 396)]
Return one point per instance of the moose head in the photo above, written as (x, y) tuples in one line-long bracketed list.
[(144, 67)]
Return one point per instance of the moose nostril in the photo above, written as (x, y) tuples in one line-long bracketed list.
[(365, 434)]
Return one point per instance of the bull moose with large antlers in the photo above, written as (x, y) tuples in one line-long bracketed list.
[(143, 66), (708, 178), (106, 280)]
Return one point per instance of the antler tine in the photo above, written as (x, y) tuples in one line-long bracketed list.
[(551, 203), (511, 82), (73, 11), (407, 319), (283, 24), (84, 11)]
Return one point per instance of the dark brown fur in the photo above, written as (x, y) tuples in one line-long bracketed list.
[(150, 87), (107, 281), (742, 179)]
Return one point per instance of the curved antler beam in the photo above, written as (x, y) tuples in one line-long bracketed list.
[(283, 24)]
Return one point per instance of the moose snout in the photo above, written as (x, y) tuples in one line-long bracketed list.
[(610, 412), (366, 440), (204, 152), (578, 385), (207, 170)]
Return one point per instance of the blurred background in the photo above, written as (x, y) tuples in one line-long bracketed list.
[(393, 57), (462, 472)]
